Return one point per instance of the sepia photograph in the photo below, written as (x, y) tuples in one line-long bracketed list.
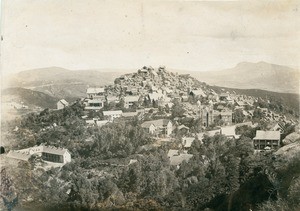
[(153, 105)]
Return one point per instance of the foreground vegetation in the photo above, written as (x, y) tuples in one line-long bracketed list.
[(224, 174)]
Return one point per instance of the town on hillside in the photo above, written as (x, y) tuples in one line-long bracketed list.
[(154, 138)]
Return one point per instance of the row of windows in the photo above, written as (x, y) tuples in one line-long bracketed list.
[(52, 157)]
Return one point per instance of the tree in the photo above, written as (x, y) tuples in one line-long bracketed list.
[(238, 116), (177, 110)]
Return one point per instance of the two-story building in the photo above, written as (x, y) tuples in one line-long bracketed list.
[(93, 93), (266, 140), (129, 101), (160, 127)]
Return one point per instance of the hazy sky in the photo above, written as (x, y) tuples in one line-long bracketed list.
[(190, 35)]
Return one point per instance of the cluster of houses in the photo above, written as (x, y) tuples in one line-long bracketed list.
[(150, 88)]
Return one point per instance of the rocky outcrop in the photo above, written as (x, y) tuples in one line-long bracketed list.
[(291, 138)]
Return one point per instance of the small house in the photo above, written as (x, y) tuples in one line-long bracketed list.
[(95, 92), (111, 115), (62, 104), (197, 93), (161, 127), (129, 101)]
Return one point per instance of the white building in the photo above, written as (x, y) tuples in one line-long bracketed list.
[(111, 115), (95, 92), (130, 100), (62, 104), (94, 104), (48, 153)]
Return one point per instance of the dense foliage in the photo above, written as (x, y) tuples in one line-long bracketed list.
[(113, 167)]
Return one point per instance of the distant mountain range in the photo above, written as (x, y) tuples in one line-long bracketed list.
[(62, 83), (261, 75)]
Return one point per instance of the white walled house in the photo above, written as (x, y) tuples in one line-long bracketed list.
[(111, 115), (48, 153), (149, 127), (162, 127), (93, 93), (56, 155), (130, 100), (62, 104), (94, 104)]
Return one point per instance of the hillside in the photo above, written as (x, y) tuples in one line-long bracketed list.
[(29, 98), (288, 99), (63, 83), (261, 75)]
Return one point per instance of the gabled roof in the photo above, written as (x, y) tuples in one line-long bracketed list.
[(187, 141), (156, 123), (130, 114), (131, 98), (172, 152), (228, 131), (101, 123), (183, 127), (112, 98), (95, 90), (267, 135), (147, 124), (198, 92), (54, 150), (241, 103), (224, 95), (108, 113), (64, 102)]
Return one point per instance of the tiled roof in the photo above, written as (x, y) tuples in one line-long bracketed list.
[(267, 135)]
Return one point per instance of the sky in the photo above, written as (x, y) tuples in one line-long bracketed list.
[(118, 34)]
